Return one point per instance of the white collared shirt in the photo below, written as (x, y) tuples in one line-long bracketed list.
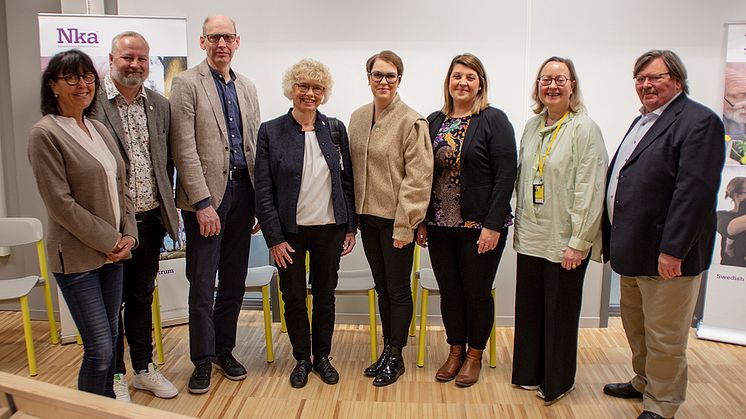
[(315, 197), (628, 146)]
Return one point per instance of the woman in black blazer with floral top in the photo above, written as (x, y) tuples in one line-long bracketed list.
[(469, 212)]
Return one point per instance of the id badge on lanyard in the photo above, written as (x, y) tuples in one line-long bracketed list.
[(539, 185)]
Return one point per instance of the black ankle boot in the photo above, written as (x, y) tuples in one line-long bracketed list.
[(376, 367), (392, 369)]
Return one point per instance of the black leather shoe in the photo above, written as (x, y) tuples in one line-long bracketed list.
[(376, 367), (392, 369), (326, 371), (646, 414), (232, 369), (299, 376), (622, 391), (199, 382)]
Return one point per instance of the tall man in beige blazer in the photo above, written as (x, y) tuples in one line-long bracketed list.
[(214, 123), (138, 118)]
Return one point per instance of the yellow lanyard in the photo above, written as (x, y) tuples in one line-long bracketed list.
[(549, 147)]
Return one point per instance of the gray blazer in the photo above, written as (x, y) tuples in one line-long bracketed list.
[(73, 186), (199, 139), (159, 119)]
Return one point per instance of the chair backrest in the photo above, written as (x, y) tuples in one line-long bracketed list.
[(354, 271), (16, 231)]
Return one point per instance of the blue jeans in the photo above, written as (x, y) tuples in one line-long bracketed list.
[(94, 298)]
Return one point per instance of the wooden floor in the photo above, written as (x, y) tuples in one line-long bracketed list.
[(717, 378)]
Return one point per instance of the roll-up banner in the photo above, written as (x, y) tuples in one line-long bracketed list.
[(724, 317), (167, 38)]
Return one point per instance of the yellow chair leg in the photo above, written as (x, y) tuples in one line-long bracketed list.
[(423, 327), (47, 292), (309, 305), (267, 324), (373, 327), (415, 287), (29, 337), (157, 326), (493, 344), (281, 304), (78, 339)]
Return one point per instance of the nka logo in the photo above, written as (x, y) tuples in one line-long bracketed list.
[(75, 36)]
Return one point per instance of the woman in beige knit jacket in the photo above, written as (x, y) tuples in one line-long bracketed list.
[(91, 225), (392, 164)]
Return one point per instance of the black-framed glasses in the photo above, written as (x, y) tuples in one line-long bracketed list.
[(73, 79), (652, 78), (304, 88), (214, 38), (378, 77), (731, 104), (558, 80)]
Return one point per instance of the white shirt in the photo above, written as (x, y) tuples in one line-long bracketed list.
[(315, 196), (628, 146), (97, 148)]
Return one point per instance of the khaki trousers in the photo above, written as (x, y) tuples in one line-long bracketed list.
[(657, 315)]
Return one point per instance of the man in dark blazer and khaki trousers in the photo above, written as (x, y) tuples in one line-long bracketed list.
[(659, 227), (214, 123), (138, 119)]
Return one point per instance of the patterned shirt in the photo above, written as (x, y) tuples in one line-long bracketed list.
[(142, 185), (446, 194)]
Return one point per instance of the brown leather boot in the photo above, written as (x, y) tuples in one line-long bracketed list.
[(452, 365), (469, 373)]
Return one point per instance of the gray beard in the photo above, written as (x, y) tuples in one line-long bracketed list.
[(130, 80)]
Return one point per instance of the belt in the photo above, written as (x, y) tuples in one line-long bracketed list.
[(147, 215), (237, 174)]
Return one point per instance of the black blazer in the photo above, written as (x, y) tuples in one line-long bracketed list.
[(667, 193), (488, 167), (278, 169)]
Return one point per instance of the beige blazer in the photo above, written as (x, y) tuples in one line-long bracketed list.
[(199, 137), (392, 164), (72, 183)]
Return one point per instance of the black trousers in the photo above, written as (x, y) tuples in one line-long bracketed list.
[(213, 316), (136, 317), (465, 280), (324, 246), (391, 268), (547, 312)]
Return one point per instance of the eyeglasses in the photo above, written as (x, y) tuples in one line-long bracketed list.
[(652, 78), (214, 38), (73, 79), (304, 88), (559, 80), (378, 77)]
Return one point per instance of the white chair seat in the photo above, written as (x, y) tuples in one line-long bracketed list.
[(13, 289), (259, 276), (427, 280)]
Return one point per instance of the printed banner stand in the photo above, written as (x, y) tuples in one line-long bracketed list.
[(92, 34), (724, 317)]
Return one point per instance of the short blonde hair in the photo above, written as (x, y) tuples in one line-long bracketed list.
[(307, 69), (576, 98)]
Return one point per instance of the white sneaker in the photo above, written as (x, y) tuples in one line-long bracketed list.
[(153, 381), (121, 389), (530, 388)]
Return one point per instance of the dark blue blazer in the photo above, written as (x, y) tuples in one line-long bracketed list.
[(488, 167), (278, 169), (667, 193)]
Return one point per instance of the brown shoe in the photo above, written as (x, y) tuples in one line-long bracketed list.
[(452, 365), (469, 373)]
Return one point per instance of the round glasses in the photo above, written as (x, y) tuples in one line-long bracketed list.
[(73, 79), (378, 77), (304, 88), (558, 80)]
